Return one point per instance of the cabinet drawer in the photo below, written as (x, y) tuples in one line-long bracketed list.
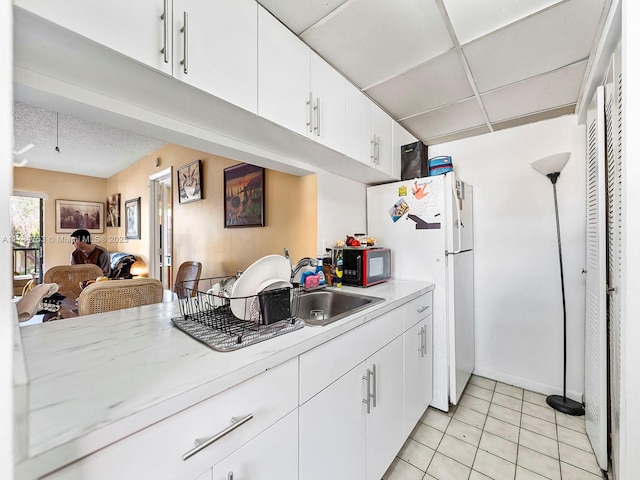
[(417, 309), (328, 362), (157, 451)]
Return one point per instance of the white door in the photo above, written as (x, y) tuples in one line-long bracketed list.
[(271, 455), (595, 323), (333, 429), (222, 48), (329, 106), (460, 321), (384, 423), (161, 227), (139, 30), (283, 76)]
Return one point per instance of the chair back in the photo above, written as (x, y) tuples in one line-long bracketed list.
[(187, 279), (68, 277), (118, 294), (28, 286)]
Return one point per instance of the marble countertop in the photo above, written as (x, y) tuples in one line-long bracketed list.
[(95, 379)]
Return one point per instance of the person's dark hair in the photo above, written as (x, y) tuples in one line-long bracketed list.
[(82, 235)]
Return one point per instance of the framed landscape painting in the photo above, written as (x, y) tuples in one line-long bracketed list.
[(74, 214), (244, 196)]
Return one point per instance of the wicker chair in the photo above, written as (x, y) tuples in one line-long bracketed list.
[(68, 277), (187, 279), (118, 294)]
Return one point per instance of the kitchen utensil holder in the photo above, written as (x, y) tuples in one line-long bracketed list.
[(207, 316)]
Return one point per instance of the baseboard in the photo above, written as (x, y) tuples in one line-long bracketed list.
[(526, 383)]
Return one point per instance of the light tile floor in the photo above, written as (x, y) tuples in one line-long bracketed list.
[(497, 432)]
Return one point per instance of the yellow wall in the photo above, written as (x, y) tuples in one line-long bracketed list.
[(198, 227), (64, 186)]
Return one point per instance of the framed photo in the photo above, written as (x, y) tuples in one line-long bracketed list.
[(74, 214), (190, 182), (244, 196), (113, 210), (132, 218)]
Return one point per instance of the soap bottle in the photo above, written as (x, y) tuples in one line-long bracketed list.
[(338, 280)]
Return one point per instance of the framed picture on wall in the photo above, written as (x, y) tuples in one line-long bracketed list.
[(74, 214), (190, 182), (132, 218), (113, 210), (244, 196)]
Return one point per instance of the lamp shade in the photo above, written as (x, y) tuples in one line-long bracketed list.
[(551, 164)]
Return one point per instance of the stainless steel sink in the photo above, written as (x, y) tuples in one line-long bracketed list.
[(322, 307)]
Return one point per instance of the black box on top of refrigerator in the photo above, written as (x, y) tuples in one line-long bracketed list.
[(413, 161)]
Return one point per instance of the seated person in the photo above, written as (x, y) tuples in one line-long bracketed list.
[(85, 252)]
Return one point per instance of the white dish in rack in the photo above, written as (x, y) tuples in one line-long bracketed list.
[(265, 270)]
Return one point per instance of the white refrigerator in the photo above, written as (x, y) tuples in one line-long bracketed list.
[(428, 225)]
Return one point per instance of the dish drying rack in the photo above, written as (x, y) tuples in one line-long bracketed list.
[(206, 314)]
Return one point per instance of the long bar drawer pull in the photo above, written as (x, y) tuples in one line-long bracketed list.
[(424, 307), (201, 443)]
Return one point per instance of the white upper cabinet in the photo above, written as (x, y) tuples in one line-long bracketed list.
[(369, 132), (359, 136), (140, 30), (329, 97), (219, 45), (284, 86), (400, 137), (382, 138)]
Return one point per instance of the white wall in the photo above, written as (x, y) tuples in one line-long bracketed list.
[(518, 301), (342, 209), (630, 353), (7, 310)]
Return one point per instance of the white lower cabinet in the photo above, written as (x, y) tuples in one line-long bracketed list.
[(346, 430), (418, 371), (272, 455), (165, 450)]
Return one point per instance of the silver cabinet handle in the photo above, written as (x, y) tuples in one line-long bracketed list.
[(376, 149), (424, 307), (309, 112), (201, 444), (375, 389), (316, 109), (163, 17), (185, 30), (367, 400), (373, 149), (230, 476), (420, 347), (424, 340)]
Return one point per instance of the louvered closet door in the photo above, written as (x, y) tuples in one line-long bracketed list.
[(613, 121), (595, 328)]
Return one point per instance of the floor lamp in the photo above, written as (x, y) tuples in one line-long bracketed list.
[(551, 167)]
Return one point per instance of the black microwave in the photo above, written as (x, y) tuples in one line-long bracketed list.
[(365, 266)]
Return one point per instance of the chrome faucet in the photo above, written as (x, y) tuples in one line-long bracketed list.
[(303, 262)]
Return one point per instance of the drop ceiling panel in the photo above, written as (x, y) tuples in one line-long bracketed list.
[(373, 40), (451, 118), (535, 94), (536, 117), (299, 15), (433, 84), (474, 19), (471, 132), (544, 42)]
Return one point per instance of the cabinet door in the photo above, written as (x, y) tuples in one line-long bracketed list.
[(332, 430), (283, 75), (418, 364), (385, 430), (134, 29), (359, 136), (382, 132), (329, 104), (271, 455), (400, 137), (221, 48)]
